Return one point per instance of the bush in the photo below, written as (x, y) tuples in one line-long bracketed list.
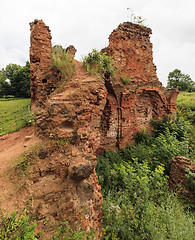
[(98, 63), (63, 62), (137, 203)]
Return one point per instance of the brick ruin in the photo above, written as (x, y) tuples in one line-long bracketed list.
[(95, 114), (177, 178)]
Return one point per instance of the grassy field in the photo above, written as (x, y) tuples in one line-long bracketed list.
[(14, 114), (186, 106), (187, 99)]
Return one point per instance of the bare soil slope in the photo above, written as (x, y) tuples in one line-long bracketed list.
[(11, 147)]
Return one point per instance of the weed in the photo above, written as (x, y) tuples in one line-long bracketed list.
[(65, 232), (125, 80), (63, 63), (17, 226), (99, 63)]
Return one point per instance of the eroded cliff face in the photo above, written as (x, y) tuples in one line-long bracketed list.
[(93, 113)]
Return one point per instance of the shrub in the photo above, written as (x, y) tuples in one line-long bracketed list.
[(99, 63), (137, 203), (190, 176), (63, 62)]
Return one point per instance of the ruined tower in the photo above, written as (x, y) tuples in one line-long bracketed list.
[(131, 106), (40, 53)]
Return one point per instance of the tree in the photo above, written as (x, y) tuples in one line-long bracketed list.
[(183, 82), (19, 80), (4, 85)]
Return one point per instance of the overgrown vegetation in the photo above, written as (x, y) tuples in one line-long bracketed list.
[(137, 201), (65, 232), (22, 226), (17, 226), (63, 63), (14, 114), (99, 63)]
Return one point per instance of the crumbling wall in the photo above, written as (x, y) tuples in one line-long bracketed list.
[(143, 97), (130, 47), (40, 53), (93, 113)]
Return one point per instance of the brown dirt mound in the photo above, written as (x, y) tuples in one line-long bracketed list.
[(11, 147)]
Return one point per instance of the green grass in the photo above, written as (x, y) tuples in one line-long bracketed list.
[(186, 99), (186, 106), (14, 114)]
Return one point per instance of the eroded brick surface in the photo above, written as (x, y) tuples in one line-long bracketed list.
[(93, 113)]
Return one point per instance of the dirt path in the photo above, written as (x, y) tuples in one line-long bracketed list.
[(12, 146)]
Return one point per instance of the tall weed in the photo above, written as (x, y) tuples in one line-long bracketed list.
[(63, 63)]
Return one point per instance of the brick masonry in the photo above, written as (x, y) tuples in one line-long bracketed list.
[(93, 113)]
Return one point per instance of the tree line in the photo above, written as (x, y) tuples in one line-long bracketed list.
[(15, 80)]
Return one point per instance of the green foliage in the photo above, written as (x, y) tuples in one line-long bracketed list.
[(137, 202), (190, 176), (65, 232), (186, 109), (99, 63), (4, 85), (19, 77), (21, 82), (186, 106), (17, 226), (28, 158), (183, 82), (125, 80), (62, 62), (14, 114), (169, 139)]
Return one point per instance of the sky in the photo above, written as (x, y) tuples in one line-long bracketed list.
[(87, 24)]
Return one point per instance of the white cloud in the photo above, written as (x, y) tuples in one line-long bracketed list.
[(87, 24)]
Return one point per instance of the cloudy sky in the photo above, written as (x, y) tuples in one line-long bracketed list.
[(87, 24)]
